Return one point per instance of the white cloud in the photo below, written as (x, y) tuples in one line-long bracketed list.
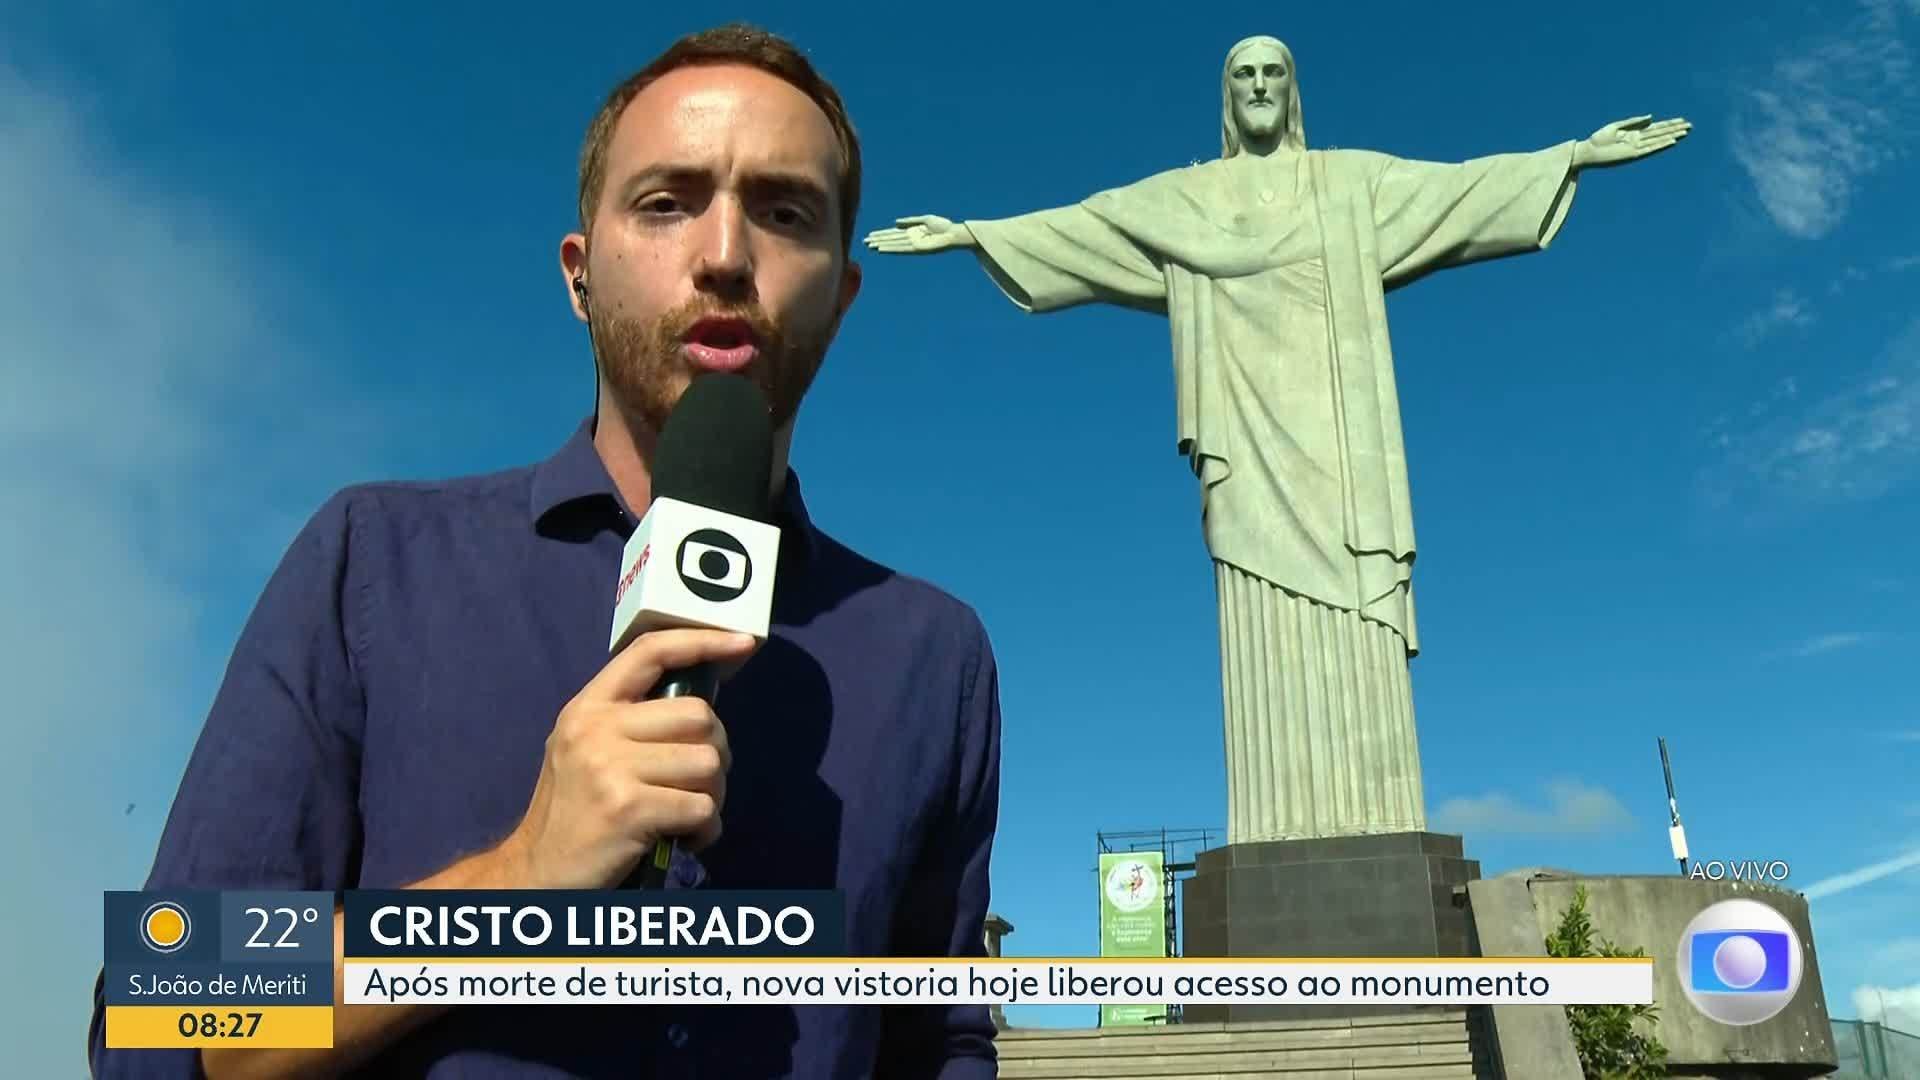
[(1826, 643), (1572, 807), (1787, 308), (1857, 442), (1830, 110), (1848, 278), (1887, 9), (1865, 875), (1900, 954), (148, 397), (1897, 1007)]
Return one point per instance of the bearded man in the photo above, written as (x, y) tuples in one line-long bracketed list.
[(422, 697)]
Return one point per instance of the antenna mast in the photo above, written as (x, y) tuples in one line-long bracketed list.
[(1676, 833)]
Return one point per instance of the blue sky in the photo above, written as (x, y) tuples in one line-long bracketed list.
[(1662, 474)]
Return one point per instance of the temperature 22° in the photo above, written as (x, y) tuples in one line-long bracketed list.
[(291, 916)]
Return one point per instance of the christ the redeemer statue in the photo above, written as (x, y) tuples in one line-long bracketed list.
[(1271, 265)]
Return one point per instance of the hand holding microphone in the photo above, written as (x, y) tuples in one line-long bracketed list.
[(623, 773), (638, 758)]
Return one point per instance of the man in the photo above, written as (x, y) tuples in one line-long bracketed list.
[(422, 697)]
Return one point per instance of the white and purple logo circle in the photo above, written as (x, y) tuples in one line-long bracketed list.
[(1740, 962)]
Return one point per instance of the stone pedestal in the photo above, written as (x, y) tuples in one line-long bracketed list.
[(1388, 895)]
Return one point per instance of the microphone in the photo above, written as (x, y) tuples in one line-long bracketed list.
[(704, 554)]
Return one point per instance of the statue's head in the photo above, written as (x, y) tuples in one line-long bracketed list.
[(1260, 97)]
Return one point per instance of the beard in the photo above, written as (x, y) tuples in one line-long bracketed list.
[(647, 371), (1259, 122)]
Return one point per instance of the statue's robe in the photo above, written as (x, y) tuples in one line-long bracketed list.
[(1272, 272)]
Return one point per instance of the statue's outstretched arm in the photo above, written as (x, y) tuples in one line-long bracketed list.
[(1044, 260), (1628, 140), (1431, 215), (922, 234)]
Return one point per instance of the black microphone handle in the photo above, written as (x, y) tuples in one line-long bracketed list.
[(701, 681)]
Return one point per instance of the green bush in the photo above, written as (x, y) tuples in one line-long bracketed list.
[(1604, 1035)]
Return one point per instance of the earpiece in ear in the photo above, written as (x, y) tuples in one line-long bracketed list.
[(580, 289)]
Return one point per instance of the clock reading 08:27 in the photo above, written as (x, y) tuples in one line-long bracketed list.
[(233, 1025)]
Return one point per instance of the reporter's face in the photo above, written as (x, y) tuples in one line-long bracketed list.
[(717, 243)]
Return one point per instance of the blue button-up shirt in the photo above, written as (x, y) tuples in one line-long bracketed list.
[(385, 711)]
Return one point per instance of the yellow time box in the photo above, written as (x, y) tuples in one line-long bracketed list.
[(155, 1027)]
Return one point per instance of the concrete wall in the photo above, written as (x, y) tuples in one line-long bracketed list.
[(1651, 912), (1530, 1042)]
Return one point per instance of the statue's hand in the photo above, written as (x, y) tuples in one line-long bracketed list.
[(921, 234), (1628, 140)]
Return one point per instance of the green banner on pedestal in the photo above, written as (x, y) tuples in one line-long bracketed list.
[(1133, 921)]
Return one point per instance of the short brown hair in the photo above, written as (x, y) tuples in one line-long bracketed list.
[(735, 43)]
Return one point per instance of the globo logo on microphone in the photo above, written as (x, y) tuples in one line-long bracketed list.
[(719, 574), (715, 566)]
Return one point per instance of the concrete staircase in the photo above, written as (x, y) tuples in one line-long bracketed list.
[(1432, 1044)]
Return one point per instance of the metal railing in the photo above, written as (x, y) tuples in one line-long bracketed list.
[(1870, 1050)]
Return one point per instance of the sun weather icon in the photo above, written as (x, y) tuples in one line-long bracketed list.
[(165, 927)]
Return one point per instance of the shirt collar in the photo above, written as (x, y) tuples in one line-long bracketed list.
[(575, 480)]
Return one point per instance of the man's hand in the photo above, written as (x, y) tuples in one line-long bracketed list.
[(621, 772), (1628, 140), (921, 234)]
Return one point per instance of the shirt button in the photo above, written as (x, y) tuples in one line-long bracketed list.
[(677, 1036)]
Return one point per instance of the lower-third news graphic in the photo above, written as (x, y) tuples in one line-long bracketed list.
[(193, 968), (1740, 962)]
